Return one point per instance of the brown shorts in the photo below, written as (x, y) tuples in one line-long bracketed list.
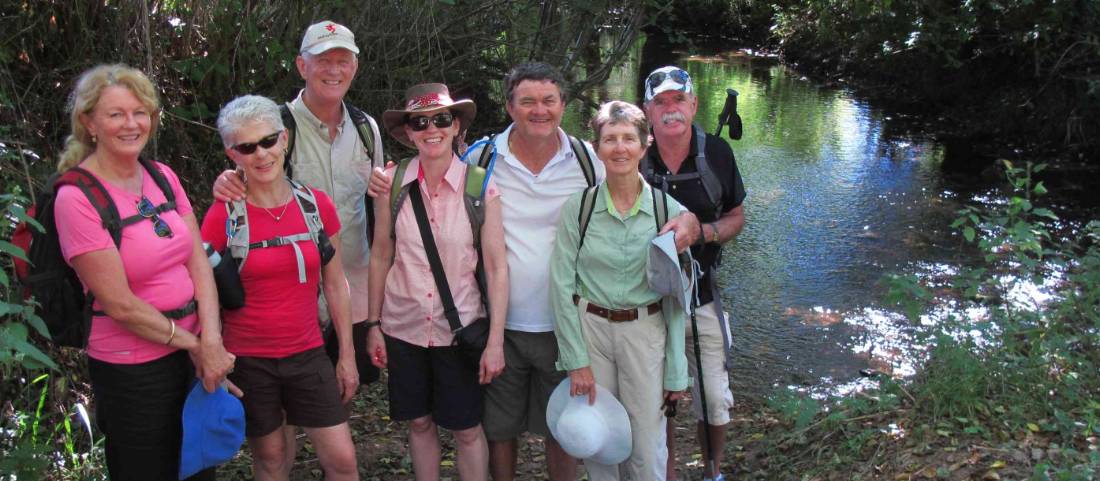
[(303, 386)]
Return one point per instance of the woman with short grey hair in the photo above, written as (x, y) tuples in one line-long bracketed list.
[(284, 239), (612, 328)]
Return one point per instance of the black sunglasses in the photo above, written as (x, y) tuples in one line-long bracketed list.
[(248, 148), (147, 210), (441, 121), (657, 78)]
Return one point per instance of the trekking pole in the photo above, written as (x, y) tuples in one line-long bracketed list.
[(729, 116), (708, 459)]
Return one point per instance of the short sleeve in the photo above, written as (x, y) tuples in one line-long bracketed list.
[(327, 209), (79, 227), (213, 226)]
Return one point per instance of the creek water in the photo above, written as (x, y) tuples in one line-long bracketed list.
[(839, 197)]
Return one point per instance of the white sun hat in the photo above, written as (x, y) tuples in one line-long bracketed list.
[(599, 433)]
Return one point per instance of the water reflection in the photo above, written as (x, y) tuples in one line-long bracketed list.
[(837, 198)]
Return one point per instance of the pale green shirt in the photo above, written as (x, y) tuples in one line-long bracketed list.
[(610, 270)]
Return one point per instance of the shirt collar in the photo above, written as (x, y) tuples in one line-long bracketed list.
[(301, 109), (453, 178), (565, 151), (644, 203)]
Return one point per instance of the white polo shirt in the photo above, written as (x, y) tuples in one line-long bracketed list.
[(531, 208), (341, 169)]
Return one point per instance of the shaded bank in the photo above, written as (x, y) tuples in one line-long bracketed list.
[(1006, 76)]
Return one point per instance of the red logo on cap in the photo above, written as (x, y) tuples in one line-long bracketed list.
[(330, 27)]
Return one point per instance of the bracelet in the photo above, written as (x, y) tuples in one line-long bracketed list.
[(171, 335), (702, 235), (370, 324)]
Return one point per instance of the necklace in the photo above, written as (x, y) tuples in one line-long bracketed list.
[(281, 214)]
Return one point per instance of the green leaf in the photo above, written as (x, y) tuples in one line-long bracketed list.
[(36, 322), (13, 250), (1043, 212), (968, 233), (1039, 188)]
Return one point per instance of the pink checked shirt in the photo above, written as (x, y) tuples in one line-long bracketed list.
[(411, 309)]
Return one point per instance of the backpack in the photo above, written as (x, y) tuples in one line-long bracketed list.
[(579, 151), (238, 242), (365, 126), (60, 298), (473, 196), (588, 205), (711, 185)]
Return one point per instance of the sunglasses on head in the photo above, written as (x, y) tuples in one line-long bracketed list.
[(677, 75), (146, 209), (441, 121), (250, 147)]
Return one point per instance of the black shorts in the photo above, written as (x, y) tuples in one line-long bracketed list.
[(368, 372), (303, 386), (440, 381)]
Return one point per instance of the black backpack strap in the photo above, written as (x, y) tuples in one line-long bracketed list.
[(398, 193), (162, 183), (588, 204), (365, 126), (449, 309), (290, 125), (584, 159), (660, 207), (487, 151), (711, 184)]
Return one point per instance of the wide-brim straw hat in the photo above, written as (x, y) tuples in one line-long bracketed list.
[(598, 433), (423, 98)]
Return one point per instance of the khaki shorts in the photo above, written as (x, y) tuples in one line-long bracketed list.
[(516, 400), (715, 376)]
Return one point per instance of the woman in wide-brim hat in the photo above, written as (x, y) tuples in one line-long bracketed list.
[(431, 382)]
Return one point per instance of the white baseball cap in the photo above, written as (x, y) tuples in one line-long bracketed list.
[(667, 78), (323, 36), (598, 433)]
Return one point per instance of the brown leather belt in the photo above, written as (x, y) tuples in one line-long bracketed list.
[(618, 315)]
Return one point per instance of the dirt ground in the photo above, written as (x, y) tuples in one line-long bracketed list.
[(383, 454)]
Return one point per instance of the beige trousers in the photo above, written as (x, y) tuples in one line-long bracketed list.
[(716, 378), (627, 358)]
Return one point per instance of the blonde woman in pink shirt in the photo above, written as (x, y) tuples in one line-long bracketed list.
[(155, 323), (433, 382)]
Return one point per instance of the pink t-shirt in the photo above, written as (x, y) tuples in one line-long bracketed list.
[(279, 317), (411, 309), (156, 267)]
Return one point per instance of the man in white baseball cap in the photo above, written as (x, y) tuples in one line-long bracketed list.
[(332, 146), (681, 159)]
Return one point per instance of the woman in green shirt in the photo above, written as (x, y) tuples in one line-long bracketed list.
[(612, 328)]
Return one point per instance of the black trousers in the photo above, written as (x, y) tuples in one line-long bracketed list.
[(139, 407)]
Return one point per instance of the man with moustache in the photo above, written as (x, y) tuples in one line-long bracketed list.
[(710, 186), (536, 170)]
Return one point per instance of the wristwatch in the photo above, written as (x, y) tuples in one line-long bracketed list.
[(369, 324), (714, 233)]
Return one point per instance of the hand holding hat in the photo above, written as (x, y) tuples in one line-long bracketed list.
[(213, 429), (597, 432)]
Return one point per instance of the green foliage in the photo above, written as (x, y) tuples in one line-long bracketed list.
[(17, 316), (36, 442), (1018, 69)]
